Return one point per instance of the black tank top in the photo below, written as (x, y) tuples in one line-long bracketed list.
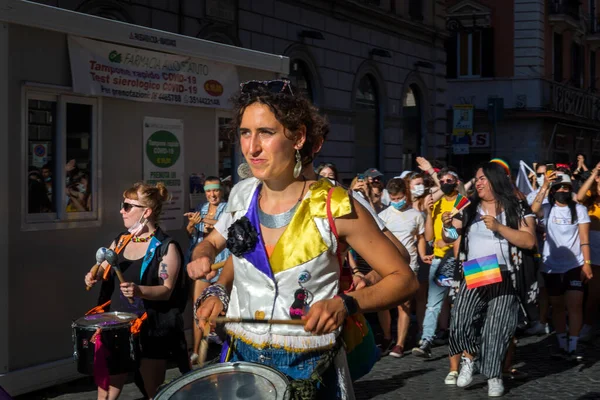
[(131, 273)]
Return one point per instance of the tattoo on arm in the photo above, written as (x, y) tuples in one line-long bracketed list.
[(163, 271)]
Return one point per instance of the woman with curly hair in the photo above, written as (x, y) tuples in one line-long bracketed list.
[(284, 232)]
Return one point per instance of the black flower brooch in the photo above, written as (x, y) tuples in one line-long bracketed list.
[(241, 237)]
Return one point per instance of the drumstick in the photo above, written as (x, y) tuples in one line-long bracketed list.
[(100, 257), (113, 260), (203, 345), (225, 320), (217, 266)]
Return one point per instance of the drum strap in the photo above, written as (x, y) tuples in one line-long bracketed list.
[(306, 389), (123, 241)]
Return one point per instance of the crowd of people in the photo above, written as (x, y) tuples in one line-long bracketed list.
[(41, 189), (292, 243)]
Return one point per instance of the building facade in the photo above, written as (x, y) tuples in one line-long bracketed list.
[(536, 62), (376, 68)]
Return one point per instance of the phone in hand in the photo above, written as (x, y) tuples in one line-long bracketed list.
[(550, 168), (360, 177)]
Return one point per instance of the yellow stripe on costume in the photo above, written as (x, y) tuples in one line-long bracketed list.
[(301, 241)]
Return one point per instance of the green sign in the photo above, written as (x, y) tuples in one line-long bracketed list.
[(163, 149)]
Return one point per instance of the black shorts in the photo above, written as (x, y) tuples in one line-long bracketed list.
[(558, 284)]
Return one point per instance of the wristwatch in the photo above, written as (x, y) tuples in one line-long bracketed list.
[(350, 303)]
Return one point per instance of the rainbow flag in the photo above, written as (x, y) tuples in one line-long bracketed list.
[(482, 271)]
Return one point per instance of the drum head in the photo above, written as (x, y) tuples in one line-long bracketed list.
[(238, 380), (105, 320)]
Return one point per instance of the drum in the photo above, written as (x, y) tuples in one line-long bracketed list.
[(237, 380), (115, 335)]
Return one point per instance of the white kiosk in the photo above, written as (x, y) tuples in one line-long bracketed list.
[(87, 107)]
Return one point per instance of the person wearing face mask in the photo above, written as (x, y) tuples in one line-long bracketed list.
[(200, 223), (567, 264), (408, 226), (422, 201), (540, 326), (540, 171), (150, 262), (435, 297)]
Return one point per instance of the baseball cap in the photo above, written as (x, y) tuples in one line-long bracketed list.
[(372, 173), (561, 179)]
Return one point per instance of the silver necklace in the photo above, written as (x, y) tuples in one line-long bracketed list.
[(279, 220)]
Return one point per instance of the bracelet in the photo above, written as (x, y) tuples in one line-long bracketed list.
[(217, 290), (588, 262), (584, 244)]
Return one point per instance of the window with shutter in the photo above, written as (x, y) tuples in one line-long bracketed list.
[(469, 54), (593, 71), (557, 58), (451, 58), (487, 53)]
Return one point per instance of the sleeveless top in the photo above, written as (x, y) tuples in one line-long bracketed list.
[(304, 258), (131, 272)]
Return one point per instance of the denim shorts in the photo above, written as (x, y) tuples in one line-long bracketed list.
[(293, 365)]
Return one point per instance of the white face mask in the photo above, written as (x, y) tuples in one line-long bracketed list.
[(540, 180), (418, 190)]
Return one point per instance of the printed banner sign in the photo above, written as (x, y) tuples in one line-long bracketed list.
[(106, 69), (462, 123), (163, 162)]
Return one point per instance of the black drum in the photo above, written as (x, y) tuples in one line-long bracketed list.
[(116, 338), (237, 380)]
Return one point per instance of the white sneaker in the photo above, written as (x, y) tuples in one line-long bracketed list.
[(495, 387), (538, 329), (451, 378), (465, 377)]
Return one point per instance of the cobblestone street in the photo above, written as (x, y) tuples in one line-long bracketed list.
[(414, 378)]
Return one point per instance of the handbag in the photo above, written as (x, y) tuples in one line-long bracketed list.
[(361, 350)]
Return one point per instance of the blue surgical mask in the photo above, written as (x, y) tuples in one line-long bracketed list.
[(398, 205)]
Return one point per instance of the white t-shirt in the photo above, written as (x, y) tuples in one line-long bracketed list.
[(562, 250), (406, 226), (483, 242)]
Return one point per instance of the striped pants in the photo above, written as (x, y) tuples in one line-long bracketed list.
[(483, 323)]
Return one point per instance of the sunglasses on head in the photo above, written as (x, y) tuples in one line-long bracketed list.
[(128, 206), (276, 86)]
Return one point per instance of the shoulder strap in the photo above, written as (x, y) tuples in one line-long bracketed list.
[(333, 228)]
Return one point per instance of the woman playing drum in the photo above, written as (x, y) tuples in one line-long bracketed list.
[(284, 248), (154, 283)]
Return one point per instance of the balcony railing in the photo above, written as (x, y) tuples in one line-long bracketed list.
[(565, 7)]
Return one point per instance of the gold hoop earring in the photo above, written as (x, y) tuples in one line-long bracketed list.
[(298, 166)]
